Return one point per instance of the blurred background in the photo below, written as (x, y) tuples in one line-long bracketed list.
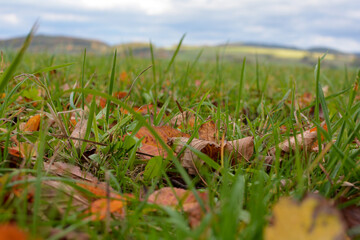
[(252, 26)]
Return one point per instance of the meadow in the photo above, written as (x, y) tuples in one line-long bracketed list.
[(112, 146)]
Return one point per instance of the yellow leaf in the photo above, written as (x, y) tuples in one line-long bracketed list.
[(312, 219)]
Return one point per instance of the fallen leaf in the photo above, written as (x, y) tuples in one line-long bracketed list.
[(120, 95), (99, 208), (179, 198), (10, 231), (100, 101), (32, 124), (305, 99), (241, 148), (185, 119), (79, 132), (207, 131), (189, 160), (124, 76), (150, 145), (351, 214), (304, 141), (65, 169), (313, 218), (145, 109), (74, 235)]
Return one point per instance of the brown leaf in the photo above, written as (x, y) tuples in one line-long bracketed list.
[(241, 148), (180, 198), (351, 214), (207, 131), (32, 124), (304, 141), (151, 145), (79, 132), (185, 119), (65, 169), (75, 235), (10, 231), (312, 219), (189, 160)]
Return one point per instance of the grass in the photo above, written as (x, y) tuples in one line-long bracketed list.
[(248, 99)]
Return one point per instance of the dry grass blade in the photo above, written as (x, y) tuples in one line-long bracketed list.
[(189, 160)]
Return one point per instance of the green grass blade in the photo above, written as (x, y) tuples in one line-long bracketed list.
[(111, 86), (175, 54)]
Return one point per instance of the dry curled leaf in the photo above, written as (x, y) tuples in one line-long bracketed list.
[(189, 160), (181, 199), (312, 219), (305, 141), (241, 148), (32, 124)]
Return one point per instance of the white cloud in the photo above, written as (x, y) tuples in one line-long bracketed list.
[(340, 43), (63, 17), (305, 23), (10, 18)]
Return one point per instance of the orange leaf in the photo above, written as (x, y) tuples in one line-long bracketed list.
[(165, 132), (100, 101), (32, 124), (12, 232), (120, 95), (143, 109), (94, 189), (99, 208), (124, 76)]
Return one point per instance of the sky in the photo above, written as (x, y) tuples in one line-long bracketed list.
[(299, 23)]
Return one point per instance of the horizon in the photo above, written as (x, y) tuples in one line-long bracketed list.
[(304, 25), (248, 43)]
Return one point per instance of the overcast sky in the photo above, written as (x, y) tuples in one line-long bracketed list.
[(301, 23)]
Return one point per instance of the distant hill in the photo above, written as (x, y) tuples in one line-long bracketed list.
[(324, 50), (262, 45), (56, 44), (235, 51)]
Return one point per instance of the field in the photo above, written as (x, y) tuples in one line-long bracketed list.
[(117, 147)]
